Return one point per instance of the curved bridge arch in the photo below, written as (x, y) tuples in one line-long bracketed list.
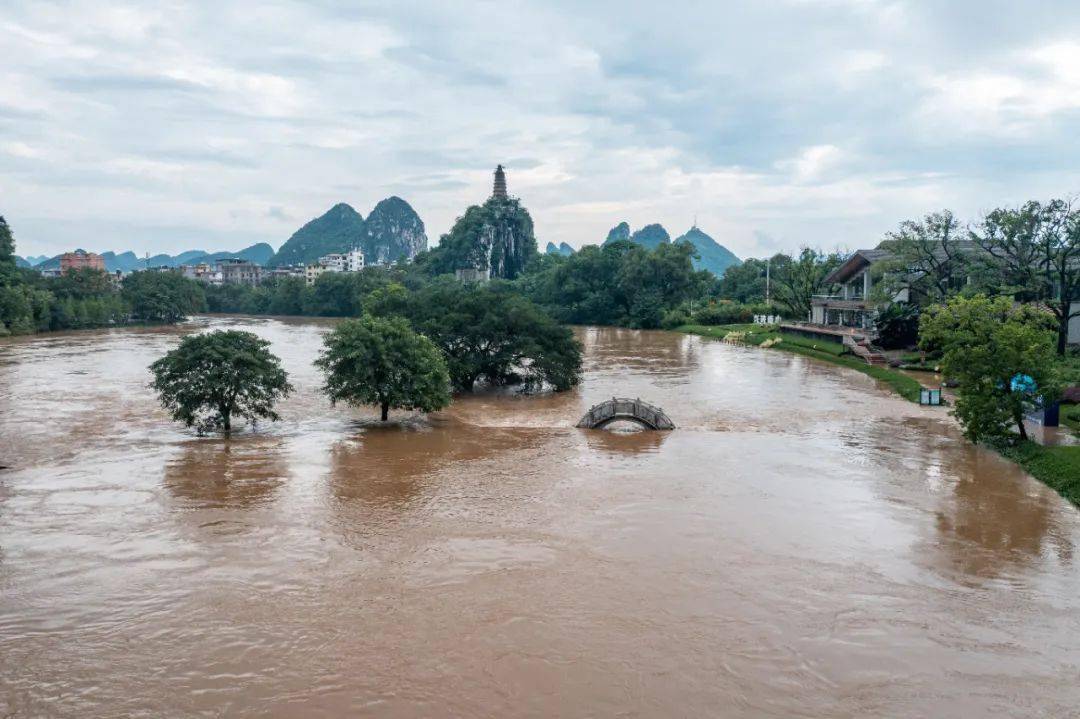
[(623, 409)]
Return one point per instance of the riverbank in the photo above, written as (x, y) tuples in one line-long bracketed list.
[(1057, 467), (905, 386)]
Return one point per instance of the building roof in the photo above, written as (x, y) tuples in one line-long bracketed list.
[(855, 264)]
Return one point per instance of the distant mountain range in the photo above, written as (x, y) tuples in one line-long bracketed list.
[(128, 261), (713, 256), (560, 249), (391, 232)]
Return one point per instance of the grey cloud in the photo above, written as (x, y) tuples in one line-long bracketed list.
[(619, 110)]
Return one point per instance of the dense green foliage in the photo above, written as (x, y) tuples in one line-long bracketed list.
[(496, 236), (162, 296), (211, 377), (1032, 253), (382, 361), (744, 283), (897, 325), (334, 294), (620, 283), (489, 334), (85, 298), (987, 345)]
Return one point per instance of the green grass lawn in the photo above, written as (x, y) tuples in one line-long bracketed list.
[(1057, 467), (1070, 416), (833, 352)]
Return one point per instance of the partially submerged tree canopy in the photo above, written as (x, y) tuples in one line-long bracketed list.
[(491, 334), (211, 377), (382, 361), (1002, 356)]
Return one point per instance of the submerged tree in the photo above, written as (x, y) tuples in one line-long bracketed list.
[(490, 334), (211, 377), (1001, 355), (382, 361)]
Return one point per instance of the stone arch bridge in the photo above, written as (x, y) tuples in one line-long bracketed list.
[(628, 410)]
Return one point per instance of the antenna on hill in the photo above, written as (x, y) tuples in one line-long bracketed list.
[(695, 221)]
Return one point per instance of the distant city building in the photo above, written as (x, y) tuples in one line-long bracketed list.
[(286, 271), (354, 260), (313, 271), (79, 259), (333, 263), (202, 272), (239, 272)]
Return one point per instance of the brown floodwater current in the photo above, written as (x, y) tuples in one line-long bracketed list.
[(804, 544)]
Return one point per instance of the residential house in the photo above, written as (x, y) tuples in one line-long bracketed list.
[(313, 271), (354, 260), (239, 272), (853, 305), (333, 262), (80, 259)]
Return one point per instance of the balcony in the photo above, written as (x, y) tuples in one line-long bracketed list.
[(839, 302)]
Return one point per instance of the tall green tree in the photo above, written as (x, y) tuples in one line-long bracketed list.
[(491, 334), (1002, 356), (795, 281), (212, 377), (1060, 249), (744, 283), (163, 296), (382, 361), (932, 258), (7, 251), (1009, 238), (621, 283), (1033, 254)]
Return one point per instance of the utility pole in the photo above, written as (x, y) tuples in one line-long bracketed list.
[(768, 265)]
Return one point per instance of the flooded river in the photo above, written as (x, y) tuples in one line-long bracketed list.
[(804, 544)]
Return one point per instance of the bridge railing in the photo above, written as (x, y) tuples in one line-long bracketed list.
[(626, 407)]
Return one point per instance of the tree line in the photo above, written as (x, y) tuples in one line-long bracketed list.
[(86, 297), (1029, 254)]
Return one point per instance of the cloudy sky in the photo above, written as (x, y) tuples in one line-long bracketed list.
[(172, 126)]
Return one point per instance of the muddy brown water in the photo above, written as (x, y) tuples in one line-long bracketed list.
[(804, 544)]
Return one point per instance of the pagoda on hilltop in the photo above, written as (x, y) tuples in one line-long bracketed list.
[(500, 184)]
